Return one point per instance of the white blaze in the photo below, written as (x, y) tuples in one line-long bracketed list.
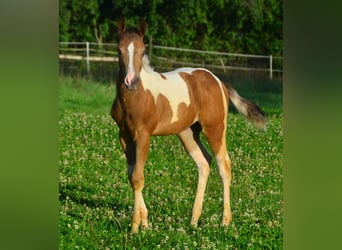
[(130, 56), (130, 70)]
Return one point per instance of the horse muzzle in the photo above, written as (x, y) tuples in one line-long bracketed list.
[(131, 81)]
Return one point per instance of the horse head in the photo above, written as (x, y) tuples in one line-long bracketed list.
[(131, 49)]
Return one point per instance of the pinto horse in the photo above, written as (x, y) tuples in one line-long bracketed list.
[(185, 102)]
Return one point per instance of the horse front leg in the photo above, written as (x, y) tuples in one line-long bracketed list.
[(136, 152)]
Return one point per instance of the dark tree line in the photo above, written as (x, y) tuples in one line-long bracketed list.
[(245, 26)]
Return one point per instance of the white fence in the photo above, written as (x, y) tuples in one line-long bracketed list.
[(168, 58)]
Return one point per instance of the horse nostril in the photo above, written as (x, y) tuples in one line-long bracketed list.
[(135, 80)]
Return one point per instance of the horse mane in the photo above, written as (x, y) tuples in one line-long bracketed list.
[(146, 64)]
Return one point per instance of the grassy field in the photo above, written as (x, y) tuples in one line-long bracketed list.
[(96, 200)]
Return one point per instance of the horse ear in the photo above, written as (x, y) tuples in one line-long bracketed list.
[(121, 26), (142, 27)]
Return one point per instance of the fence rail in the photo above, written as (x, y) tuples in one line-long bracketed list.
[(167, 58)]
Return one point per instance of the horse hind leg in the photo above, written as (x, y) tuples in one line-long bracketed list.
[(224, 165), (196, 129), (216, 137), (190, 139)]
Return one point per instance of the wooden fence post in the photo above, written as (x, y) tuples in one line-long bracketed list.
[(87, 57), (223, 66), (150, 49), (271, 67)]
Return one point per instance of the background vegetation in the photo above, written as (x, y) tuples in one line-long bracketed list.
[(245, 26)]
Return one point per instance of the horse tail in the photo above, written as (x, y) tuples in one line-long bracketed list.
[(248, 109)]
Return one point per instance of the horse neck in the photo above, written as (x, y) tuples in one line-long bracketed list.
[(147, 69)]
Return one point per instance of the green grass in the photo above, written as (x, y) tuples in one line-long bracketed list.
[(96, 200), (81, 95)]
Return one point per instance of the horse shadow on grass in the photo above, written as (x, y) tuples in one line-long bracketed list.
[(84, 197)]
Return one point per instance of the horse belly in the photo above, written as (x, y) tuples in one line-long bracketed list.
[(173, 120)]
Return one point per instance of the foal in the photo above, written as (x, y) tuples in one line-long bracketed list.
[(185, 102)]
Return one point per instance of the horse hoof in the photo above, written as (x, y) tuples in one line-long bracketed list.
[(135, 228), (226, 221), (144, 225), (194, 222)]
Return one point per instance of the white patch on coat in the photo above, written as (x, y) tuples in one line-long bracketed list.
[(173, 88)]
